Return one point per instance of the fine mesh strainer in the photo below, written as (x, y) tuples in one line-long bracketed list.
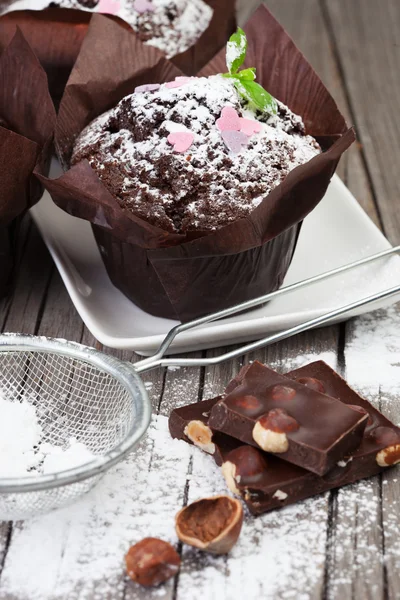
[(79, 392)]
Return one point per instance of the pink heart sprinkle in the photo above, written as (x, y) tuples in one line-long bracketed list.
[(148, 87), (235, 140), (249, 127), (181, 140), (184, 79), (179, 81), (142, 6), (229, 120), (111, 7)]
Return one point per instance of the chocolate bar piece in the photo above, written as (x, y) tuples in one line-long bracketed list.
[(190, 423), (379, 431), (266, 482), (282, 416)]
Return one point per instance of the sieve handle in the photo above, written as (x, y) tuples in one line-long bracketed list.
[(157, 359)]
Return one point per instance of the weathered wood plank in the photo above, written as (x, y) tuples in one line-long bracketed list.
[(305, 22), (365, 35), (355, 26), (244, 10), (372, 365), (22, 311)]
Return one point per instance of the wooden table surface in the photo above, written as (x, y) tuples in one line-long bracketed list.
[(355, 48)]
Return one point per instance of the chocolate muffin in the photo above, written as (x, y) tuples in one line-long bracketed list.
[(173, 26), (192, 155), (196, 189)]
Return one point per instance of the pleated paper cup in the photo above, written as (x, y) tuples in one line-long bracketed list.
[(27, 121), (184, 276)]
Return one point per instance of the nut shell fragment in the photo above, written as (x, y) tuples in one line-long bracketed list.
[(152, 561), (211, 524)]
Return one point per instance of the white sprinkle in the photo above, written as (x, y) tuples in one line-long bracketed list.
[(280, 495)]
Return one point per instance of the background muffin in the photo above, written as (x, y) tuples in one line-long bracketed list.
[(172, 26), (188, 31), (27, 120)]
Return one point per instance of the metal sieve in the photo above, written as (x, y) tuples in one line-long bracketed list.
[(80, 392)]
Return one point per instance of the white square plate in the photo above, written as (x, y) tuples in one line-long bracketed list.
[(335, 233)]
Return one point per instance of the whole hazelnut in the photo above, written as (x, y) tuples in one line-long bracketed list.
[(152, 561), (211, 524), (312, 383), (384, 436), (200, 435), (270, 431), (281, 393), (243, 468), (247, 405), (389, 456)]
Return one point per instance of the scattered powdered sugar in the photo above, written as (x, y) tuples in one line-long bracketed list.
[(364, 536), (279, 555), (60, 459), (373, 351), (206, 187), (23, 450), (295, 362), (78, 552), (173, 26)]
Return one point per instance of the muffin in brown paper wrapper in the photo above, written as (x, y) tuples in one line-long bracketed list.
[(27, 121), (184, 276), (56, 35)]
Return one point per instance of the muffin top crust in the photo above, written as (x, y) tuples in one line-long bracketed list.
[(172, 26), (164, 153)]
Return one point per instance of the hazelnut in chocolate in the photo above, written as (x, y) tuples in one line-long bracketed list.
[(266, 482), (284, 417)]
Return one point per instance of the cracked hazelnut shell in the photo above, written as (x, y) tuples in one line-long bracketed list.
[(211, 524)]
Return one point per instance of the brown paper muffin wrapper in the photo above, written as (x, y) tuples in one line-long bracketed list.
[(56, 36), (27, 118), (185, 276)]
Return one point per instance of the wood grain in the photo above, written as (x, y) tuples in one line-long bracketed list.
[(365, 38), (307, 25), (337, 38)]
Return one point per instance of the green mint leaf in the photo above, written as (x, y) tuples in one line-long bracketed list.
[(255, 94), (236, 50), (247, 75)]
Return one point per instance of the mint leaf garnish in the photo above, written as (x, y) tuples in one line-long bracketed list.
[(247, 74), (245, 80), (255, 94), (236, 50)]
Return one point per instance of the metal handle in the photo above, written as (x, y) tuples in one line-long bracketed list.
[(157, 359)]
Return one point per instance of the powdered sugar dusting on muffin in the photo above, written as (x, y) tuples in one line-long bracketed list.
[(173, 26), (206, 187)]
